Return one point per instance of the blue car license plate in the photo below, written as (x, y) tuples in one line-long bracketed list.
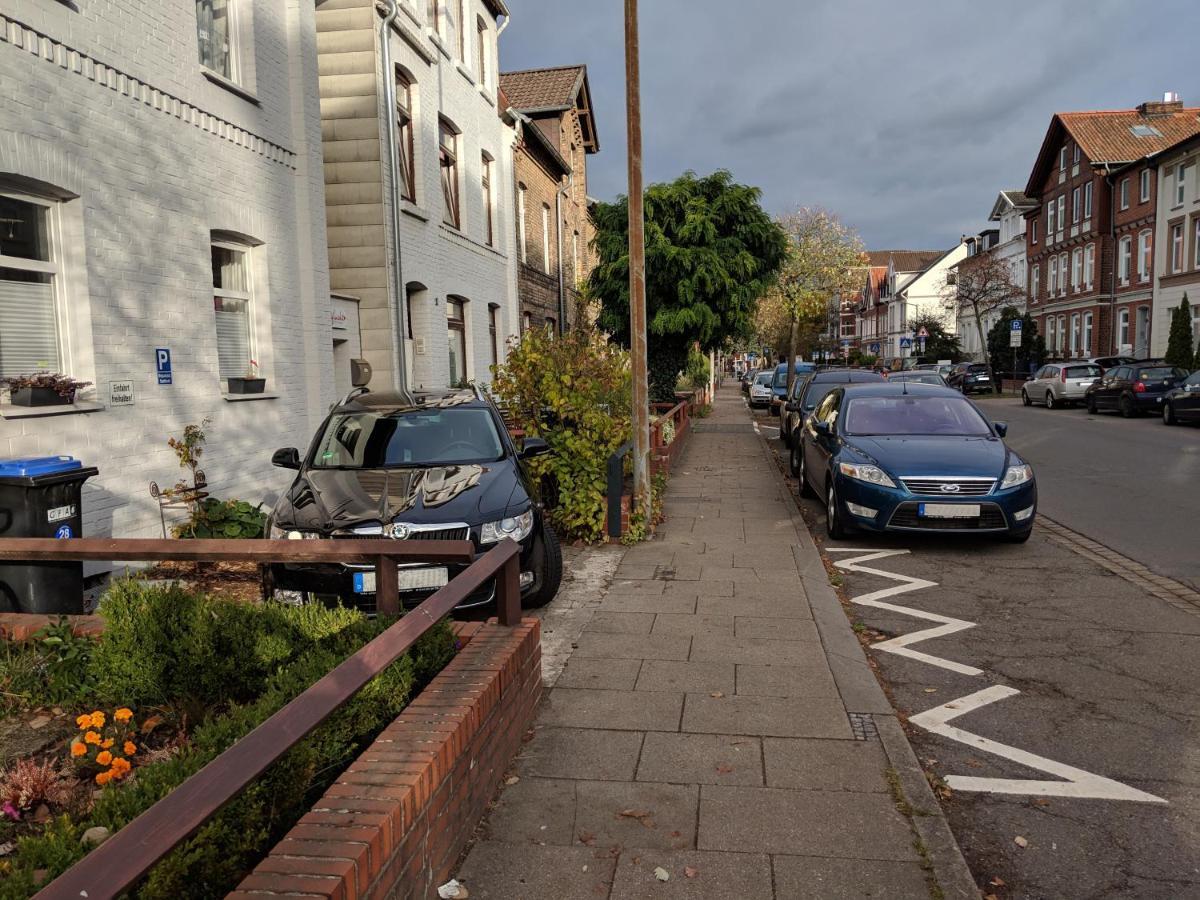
[(948, 510)]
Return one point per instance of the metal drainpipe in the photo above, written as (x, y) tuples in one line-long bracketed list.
[(562, 288), (391, 12)]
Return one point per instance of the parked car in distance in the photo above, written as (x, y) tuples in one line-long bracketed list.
[(760, 390), (970, 378), (1182, 403), (913, 457), (918, 376), (747, 378), (806, 396), (1107, 362), (1133, 389), (425, 467), (780, 384), (1060, 384)]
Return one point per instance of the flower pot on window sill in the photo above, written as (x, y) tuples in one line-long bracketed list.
[(247, 385), (40, 396)]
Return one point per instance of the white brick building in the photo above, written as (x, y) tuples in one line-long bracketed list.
[(160, 183)]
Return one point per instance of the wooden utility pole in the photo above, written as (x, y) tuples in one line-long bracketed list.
[(637, 267)]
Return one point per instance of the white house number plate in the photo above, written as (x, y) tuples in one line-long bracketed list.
[(949, 511), (409, 580)]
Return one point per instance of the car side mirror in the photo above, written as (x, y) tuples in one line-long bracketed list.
[(1001, 428), (286, 458), (533, 446), (821, 427)]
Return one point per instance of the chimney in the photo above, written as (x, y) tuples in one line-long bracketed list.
[(1169, 105)]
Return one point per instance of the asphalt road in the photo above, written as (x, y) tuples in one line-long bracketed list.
[(1131, 484), (1082, 669)]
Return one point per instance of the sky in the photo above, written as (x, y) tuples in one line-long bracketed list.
[(906, 118)]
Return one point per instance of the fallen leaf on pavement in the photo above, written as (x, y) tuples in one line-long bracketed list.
[(586, 837), (689, 872), (642, 815), (717, 694), (1020, 842), (997, 882), (724, 769), (931, 690), (662, 874), (512, 779), (975, 763), (676, 834)]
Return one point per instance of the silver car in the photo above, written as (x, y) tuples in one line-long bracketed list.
[(760, 389), (1060, 384)]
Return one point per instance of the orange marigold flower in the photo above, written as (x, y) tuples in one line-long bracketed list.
[(121, 764), (104, 757), (124, 714), (98, 719), (83, 721), (130, 748), (103, 778), (78, 749), (91, 738)]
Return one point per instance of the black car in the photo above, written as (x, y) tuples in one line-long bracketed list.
[(971, 378), (1133, 389), (808, 392), (1182, 403), (412, 467)]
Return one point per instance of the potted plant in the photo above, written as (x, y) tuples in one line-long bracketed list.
[(42, 389), (250, 383)]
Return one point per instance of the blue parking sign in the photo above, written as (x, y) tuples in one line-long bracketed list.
[(1017, 325), (162, 364)]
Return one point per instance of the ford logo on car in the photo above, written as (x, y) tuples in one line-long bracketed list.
[(949, 488)]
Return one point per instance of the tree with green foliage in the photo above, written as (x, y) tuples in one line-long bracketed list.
[(1179, 341), (711, 252), (1029, 355), (940, 344)]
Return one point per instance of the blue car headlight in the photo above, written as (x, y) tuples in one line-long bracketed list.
[(869, 474), (1016, 475), (515, 527)]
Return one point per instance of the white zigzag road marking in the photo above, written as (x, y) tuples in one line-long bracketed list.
[(1078, 783), (900, 645)]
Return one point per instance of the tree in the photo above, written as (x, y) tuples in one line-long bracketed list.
[(1179, 341), (711, 252), (824, 263), (983, 284), (940, 344), (1028, 356)]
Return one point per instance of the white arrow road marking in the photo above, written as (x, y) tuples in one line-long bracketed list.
[(1078, 782), (900, 645)]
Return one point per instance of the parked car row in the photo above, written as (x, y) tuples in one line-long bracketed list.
[(1129, 387)]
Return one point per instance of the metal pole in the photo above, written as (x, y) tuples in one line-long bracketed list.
[(637, 265)]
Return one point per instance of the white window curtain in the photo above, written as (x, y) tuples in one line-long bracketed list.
[(214, 34), (231, 306), (29, 337)]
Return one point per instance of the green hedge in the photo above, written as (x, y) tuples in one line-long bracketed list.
[(169, 646)]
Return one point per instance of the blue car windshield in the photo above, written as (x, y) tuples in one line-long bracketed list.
[(911, 414), (426, 437)]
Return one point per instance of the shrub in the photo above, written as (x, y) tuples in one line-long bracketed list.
[(1179, 339), (574, 392), (697, 370), (213, 518), (54, 668)]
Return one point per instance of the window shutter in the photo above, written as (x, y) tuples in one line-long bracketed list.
[(28, 331), (233, 339)]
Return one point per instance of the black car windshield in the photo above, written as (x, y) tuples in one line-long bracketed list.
[(919, 377), (424, 437), (977, 367), (910, 414), (816, 393), (1151, 372), (1088, 371)]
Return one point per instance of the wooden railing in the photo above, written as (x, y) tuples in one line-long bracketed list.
[(122, 860)]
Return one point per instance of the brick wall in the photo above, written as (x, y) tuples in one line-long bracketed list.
[(397, 820)]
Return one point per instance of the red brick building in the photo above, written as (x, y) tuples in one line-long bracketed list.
[(1090, 239)]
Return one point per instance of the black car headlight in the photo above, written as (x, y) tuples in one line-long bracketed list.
[(280, 533), (516, 527), (1016, 475), (869, 474)]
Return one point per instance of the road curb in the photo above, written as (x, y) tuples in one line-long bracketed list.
[(861, 693)]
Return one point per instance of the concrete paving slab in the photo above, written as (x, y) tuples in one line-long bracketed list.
[(759, 604), (533, 811), (811, 678), (599, 645), (678, 604), (606, 674), (776, 716), (752, 651), (641, 814), (493, 871), (591, 753), (817, 878), (766, 628), (701, 759), (701, 588), (670, 623), (694, 875), (620, 622), (684, 677), (813, 765), (621, 710), (804, 823)]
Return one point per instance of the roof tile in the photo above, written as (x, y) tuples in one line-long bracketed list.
[(1107, 136), (542, 88)]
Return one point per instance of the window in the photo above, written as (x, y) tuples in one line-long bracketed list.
[(1062, 159), (1062, 333), (1124, 193), (1180, 183), (231, 304), (1145, 186), (1196, 245), (1033, 230), (1050, 334), (1177, 248), (404, 137), (1053, 281), (456, 327), (1062, 212), (451, 214), (481, 48), (1124, 259), (1087, 200), (1076, 269), (1087, 334), (575, 257), (1035, 283), (1075, 155), (494, 332), (436, 20), (1122, 330), (30, 278), (546, 238), (1145, 256), (215, 33), (462, 31), (1050, 220), (1062, 275), (1076, 204), (521, 223), (489, 231), (1089, 266)]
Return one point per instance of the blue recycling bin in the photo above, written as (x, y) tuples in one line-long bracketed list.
[(40, 498)]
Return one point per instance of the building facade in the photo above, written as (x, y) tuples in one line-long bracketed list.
[(457, 305), (556, 134), (914, 285), (1177, 241), (1090, 239), (161, 190)]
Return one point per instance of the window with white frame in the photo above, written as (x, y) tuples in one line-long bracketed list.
[(1050, 333), (546, 238), (456, 333), (1076, 205), (522, 242), (481, 50), (1180, 183), (436, 20), (1122, 329), (1052, 282), (216, 36), (1050, 207), (1035, 282), (462, 31), (1033, 223), (1124, 259), (1196, 245), (1144, 194), (1087, 200), (1062, 212), (1062, 159), (1075, 155), (1145, 256), (1089, 266), (448, 154), (1074, 336), (1177, 248), (1062, 274), (30, 280), (489, 212), (404, 137), (232, 305), (1076, 269), (1124, 193), (1087, 334)]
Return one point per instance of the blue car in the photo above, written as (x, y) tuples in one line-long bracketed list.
[(779, 384), (914, 457)]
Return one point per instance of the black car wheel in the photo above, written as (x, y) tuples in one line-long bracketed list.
[(783, 432), (547, 570), (1049, 400), (835, 523), (1169, 415), (1128, 410), (1025, 401), (1091, 404)]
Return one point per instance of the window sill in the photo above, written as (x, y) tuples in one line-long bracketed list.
[(487, 95), (417, 212), (244, 398), (437, 42), (232, 86), (79, 407)]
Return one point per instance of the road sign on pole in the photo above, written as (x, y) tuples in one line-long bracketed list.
[(905, 343), (1015, 334)]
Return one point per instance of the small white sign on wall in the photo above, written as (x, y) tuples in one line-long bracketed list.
[(120, 393)]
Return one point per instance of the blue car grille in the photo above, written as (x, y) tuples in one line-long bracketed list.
[(991, 518), (949, 487)]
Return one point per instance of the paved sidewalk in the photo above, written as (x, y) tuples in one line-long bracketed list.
[(717, 719)]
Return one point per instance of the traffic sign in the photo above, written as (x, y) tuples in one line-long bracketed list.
[(905, 343), (923, 333), (162, 363), (1017, 324), (875, 348)]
